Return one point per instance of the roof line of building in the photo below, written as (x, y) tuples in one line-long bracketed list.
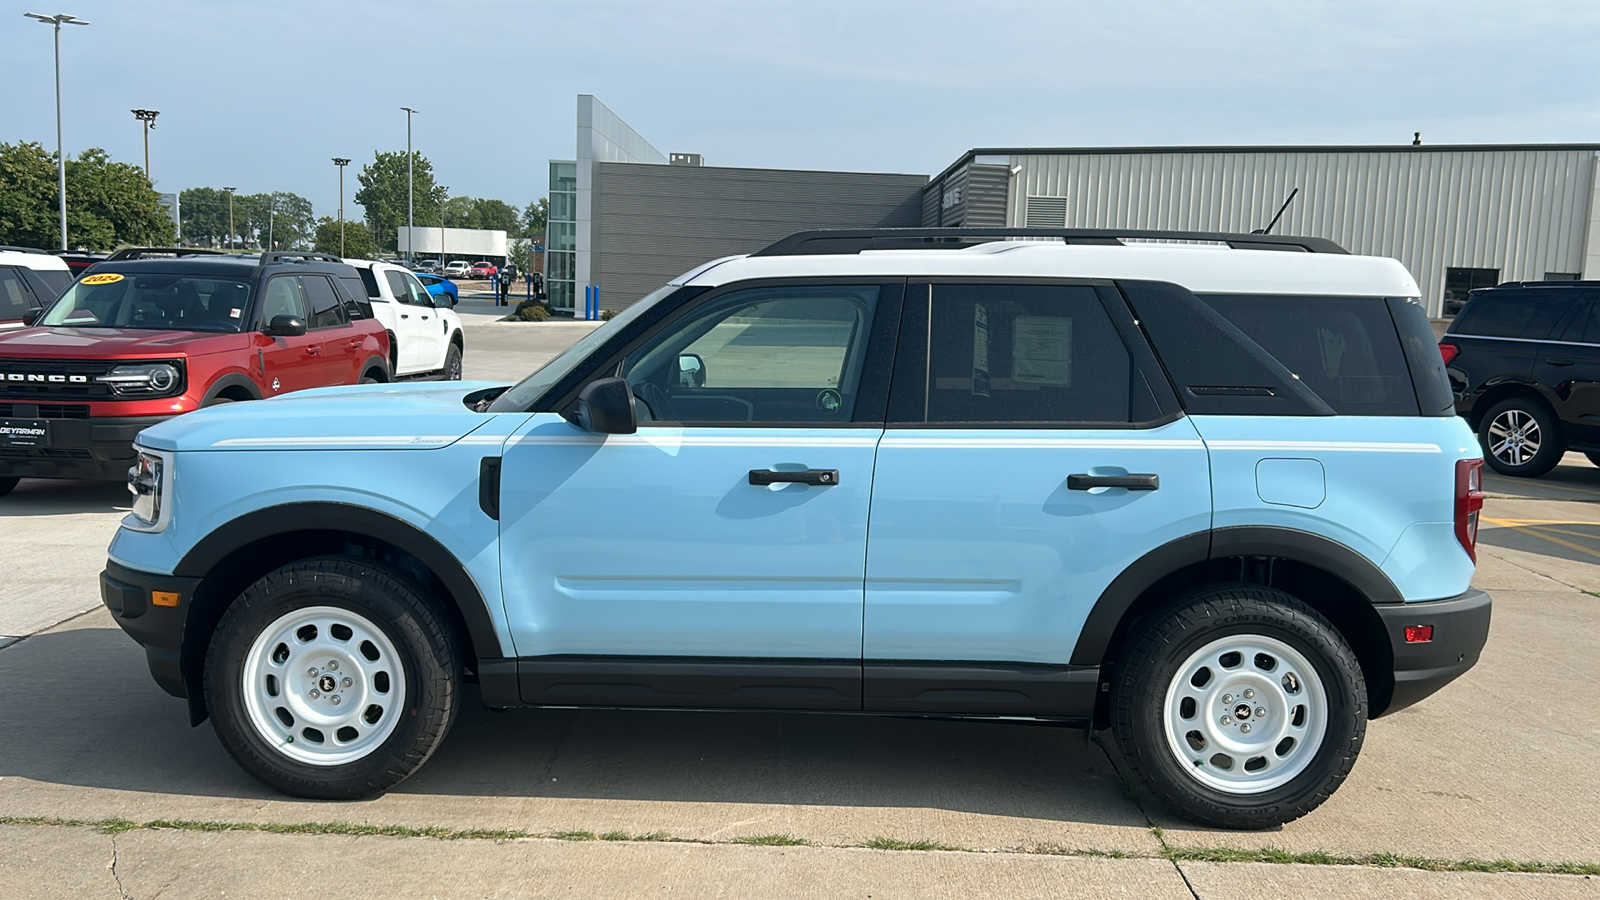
[(1290, 148)]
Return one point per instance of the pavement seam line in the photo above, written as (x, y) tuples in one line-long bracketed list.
[(1212, 854), (23, 637), (115, 875)]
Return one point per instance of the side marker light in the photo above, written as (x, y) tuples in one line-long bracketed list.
[(170, 598)]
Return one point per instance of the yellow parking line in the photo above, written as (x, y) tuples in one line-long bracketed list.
[(1539, 534), (1488, 482), (1518, 523)]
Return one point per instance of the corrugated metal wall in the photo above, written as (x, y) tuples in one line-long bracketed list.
[(656, 222), (1521, 211)]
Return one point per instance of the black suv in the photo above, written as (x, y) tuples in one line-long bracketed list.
[(1524, 363)]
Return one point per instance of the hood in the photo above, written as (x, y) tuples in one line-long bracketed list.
[(423, 416), (115, 343)]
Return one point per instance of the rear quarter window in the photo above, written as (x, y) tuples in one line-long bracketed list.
[(1526, 313), (1343, 348)]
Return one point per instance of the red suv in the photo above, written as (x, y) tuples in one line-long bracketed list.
[(143, 339)]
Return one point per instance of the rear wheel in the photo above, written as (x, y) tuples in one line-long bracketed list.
[(1521, 437), (7, 485), (331, 678), (1238, 706)]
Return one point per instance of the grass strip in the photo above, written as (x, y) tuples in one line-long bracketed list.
[(1181, 855)]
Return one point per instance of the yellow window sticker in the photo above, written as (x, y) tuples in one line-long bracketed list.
[(104, 278)]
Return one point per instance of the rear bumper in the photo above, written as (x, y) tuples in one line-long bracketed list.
[(96, 448), (1460, 628), (127, 593)]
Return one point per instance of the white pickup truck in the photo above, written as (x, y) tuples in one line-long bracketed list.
[(425, 339)]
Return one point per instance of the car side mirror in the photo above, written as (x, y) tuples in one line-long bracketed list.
[(285, 326), (605, 406), (32, 316), (691, 370)]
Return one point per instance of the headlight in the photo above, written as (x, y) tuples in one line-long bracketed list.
[(145, 482), (144, 378)]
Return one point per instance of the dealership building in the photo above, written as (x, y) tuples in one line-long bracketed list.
[(625, 217)]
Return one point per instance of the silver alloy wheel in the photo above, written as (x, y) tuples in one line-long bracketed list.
[(1245, 714), (323, 686), (1514, 437)]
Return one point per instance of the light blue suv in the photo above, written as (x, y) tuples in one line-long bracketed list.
[(1207, 491)]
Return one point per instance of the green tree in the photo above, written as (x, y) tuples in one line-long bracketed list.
[(108, 203), (498, 215), (357, 239), (460, 212), (383, 195), (536, 217)]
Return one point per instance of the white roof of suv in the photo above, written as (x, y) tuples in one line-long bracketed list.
[(1203, 268), (43, 262)]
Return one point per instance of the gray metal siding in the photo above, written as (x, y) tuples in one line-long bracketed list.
[(1523, 211), (986, 196), (657, 222)]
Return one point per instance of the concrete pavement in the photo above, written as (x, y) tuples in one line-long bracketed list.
[(1499, 765)]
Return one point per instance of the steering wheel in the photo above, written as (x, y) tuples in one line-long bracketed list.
[(655, 401)]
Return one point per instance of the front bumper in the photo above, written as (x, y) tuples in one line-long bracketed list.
[(96, 449), (129, 594), (1460, 628)]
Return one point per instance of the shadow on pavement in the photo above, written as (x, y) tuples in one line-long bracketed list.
[(47, 497), (1575, 541), (80, 710), (1574, 479)]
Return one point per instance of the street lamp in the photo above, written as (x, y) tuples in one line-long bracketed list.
[(341, 163), (148, 117), (230, 216), (411, 252), (61, 154)]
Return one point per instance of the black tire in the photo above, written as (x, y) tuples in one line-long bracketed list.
[(1510, 419), (421, 709), (452, 364), (7, 485), (1208, 617)]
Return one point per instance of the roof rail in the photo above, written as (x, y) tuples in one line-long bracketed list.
[(274, 256), (149, 252), (25, 249), (855, 240)]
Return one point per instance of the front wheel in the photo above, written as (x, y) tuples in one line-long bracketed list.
[(1238, 706), (1521, 437), (332, 678), (452, 364)]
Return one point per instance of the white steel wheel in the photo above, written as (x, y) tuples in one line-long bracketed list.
[(1515, 437), (323, 685), (1245, 714)]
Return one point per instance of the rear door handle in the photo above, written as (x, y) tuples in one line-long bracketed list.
[(313, 351), (820, 477), (1131, 482), (1559, 362)]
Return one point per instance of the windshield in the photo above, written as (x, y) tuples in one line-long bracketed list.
[(151, 300), (528, 390)]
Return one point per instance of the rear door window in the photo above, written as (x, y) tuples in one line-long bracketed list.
[(1526, 313), (16, 300), (369, 281), (1343, 348)]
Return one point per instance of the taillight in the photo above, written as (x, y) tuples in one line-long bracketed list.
[(1449, 352), (1469, 501)]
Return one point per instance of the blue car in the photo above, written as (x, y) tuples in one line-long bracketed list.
[(440, 286), (1211, 498)]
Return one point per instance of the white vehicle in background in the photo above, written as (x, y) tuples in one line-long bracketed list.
[(425, 340), (457, 269)]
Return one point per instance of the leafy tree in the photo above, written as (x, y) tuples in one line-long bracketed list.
[(284, 217), (357, 239), (536, 218), (383, 195), (498, 215), (108, 203), (205, 215), (460, 212)]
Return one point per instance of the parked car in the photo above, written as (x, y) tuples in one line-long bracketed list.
[(1524, 366), (78, 261), (425, 336), (29, 281), (139, 341), (458, 268), (484, 270), (426, 266), (441, 287), (1212, 498)]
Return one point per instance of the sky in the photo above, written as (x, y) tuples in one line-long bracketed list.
[(263, 95)]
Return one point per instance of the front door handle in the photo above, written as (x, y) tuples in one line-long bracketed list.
[(1131, 482), (820, 477), (1559, 362), (313, 351)]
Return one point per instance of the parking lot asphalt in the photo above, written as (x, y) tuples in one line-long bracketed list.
[(104, 788)]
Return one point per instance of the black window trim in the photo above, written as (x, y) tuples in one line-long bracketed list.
[(1117, 310), (341, 305), (870, 402)]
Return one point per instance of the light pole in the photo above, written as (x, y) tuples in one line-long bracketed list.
[(272, 215), (444, 191), (411, 252), (148, 117), (341, 163), (230, 216), (61, 154)]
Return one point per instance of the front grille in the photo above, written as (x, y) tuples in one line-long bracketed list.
[(43, 380), (44, 411)]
